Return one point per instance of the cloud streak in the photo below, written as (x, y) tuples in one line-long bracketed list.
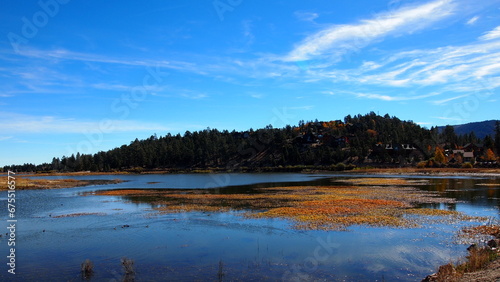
[(492, 34), (27, 124), (336, 40), (388, 98), (448, 69), (452, 69), (472, 20), (63, 54)]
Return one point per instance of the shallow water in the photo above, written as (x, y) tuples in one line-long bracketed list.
[(204, 246)]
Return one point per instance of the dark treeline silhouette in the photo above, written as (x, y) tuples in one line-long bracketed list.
[(357, 140)]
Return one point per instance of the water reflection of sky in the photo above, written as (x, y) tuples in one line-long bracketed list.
[(191, 245)]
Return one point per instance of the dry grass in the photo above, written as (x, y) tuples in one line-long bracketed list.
[(377, 181), (433, 212), (446, 272), (220, 272), (77, 214), (128, 192), (479, 258), (87, 269), (488, 184), (492, 230), (24, 183), (434, 171), (309, 207), (128, 266)]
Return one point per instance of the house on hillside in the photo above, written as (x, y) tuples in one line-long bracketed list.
[(471, 151), (393, 149), (342, 141), (408, 147), (307, 139), (469, 156), (476, 148), (241, 135)]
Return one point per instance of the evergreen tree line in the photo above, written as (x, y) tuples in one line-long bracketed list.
[(357, 139)]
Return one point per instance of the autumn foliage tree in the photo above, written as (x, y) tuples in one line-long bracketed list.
[(439, 156), (490, 155)]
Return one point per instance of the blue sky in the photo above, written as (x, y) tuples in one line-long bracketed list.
[(93, 75)]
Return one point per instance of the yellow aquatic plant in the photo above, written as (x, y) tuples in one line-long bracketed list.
[(309, 207)]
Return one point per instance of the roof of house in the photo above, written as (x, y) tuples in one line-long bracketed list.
[(468, 154)]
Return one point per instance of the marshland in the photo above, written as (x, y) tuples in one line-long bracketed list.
[(251, 226)]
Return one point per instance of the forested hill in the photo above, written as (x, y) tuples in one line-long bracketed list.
[(356, 140), (480, 129)]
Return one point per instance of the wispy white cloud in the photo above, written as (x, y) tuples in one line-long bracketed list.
[(247, 32), (50, 124), (306, 16), (328, 93), (194, 96), (472, 20), (473, 67), (38, 76), (182, 93), (450, 68), (63, 54), (128, 88), (444, 101), (448, 118), (492, 34), (111, 86), (306, 108), (256, 95), (336, 40), (389, 98), (377, 96)]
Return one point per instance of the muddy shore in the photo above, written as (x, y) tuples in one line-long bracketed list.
[(494, 172), (26, 183)]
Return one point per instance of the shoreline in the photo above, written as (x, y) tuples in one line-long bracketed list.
[(306, 169), (26, 183), (481, 264), (493, 172)]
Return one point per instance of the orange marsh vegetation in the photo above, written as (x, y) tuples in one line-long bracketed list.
[(374, 202)]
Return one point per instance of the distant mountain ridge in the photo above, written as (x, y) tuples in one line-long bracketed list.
[(480, 129)]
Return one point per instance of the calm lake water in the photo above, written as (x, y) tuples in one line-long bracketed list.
[(202, 246)]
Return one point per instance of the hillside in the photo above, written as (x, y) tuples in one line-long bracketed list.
[(481, 129), (369, 140)]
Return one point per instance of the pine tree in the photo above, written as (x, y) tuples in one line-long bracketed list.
[(497, 137)]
